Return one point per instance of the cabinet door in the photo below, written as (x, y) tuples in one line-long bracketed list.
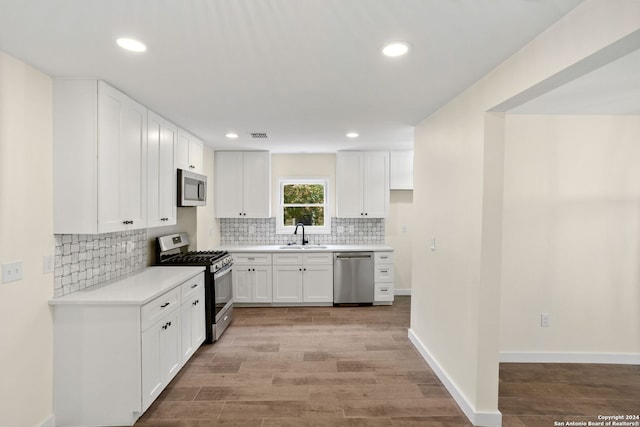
[(133, 164), (349, 185), (256, 199), (242, 284), (192, 324), (189, 154), (228, 184), (196, 155), (182, 150), (122, 139), (161, 357), (170, 346), (376, 184), (318, 283), (262, 284), (110, 108), (161, 174), (287, 283)]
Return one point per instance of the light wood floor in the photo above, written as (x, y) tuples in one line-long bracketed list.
[(354, 366)]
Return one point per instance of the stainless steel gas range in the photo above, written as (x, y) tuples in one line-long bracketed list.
[(172, 250)]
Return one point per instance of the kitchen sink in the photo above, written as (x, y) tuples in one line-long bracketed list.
[(303, 247)]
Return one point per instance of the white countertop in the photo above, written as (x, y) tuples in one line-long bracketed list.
[(138, 288), (328, 248)]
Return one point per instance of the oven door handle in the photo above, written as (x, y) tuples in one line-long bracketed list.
[(222, 273)]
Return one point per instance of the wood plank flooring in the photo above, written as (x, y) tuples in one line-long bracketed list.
[(309, 366), (355, 367), (538, 395)]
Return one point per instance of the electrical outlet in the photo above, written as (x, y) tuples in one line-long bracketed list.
[(404, 228), (11, 272), (352, 229), (545, 320), (340, 229), (433, 244), (252, 229), (48, 264)]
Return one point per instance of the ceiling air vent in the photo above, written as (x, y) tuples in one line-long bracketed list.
[(259, 135)]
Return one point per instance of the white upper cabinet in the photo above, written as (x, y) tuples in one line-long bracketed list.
[(190, 152), (100, 159), (401, 170), (362, 184), (161, 173), (242, 184)]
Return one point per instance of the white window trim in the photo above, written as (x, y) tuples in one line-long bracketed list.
[(289, 229)]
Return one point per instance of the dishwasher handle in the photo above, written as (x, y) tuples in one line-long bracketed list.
[(353, 256)]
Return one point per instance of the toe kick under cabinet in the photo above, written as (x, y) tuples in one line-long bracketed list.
[(118, 346)]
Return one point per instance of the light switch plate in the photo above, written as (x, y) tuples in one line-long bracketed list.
[(11, 272), (48, 264)]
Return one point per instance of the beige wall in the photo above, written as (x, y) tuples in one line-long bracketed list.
[(290, 165), (571, 234), (400, 214), (456, 288), (207, 225), (26, 234)]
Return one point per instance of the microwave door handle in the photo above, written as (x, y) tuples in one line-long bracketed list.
[(202, 190)]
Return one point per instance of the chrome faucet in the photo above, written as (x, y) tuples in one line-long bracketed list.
[(304, 241)]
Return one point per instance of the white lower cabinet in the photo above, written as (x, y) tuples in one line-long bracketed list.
[(161, 355), (193, 321), (252, 278), (304, 278), (113, 358), (383, 278)]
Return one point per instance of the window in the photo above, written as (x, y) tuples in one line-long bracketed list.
[(306, 201)]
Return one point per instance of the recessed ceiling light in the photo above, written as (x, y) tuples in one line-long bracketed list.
[(131, 44), (231, 135), (395, 49), (353, 135)]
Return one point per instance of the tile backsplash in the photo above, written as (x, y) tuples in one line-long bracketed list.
[(262, 231), (84, 260)]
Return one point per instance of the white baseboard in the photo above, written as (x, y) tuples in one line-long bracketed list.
[(50, 421), (550, 357), (485, 419), (402, 292)]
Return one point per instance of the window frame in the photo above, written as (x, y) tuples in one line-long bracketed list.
[(308, 229)]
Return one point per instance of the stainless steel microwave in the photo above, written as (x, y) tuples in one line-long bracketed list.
[(192, 189)]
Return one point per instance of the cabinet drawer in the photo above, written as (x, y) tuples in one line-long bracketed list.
[(288, 258), (252, 258), (324, 258), (383, 257), (157, 308), (383, 273), (192, 286), (383, 292)]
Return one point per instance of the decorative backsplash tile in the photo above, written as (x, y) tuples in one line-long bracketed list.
[(84, 260), (262, 231)]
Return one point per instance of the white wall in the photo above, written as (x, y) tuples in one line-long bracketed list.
[(571, 235), (457, 194), (26, 234)]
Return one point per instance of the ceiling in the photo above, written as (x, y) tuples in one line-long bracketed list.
[(305, 72)]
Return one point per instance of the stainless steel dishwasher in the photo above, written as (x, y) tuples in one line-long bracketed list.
[(353, 277)]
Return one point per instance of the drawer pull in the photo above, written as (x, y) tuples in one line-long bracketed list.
[(166, 325), (384, 271), (166, 304), (195, 285), (251, 259), (384, 289), (196, 302)]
